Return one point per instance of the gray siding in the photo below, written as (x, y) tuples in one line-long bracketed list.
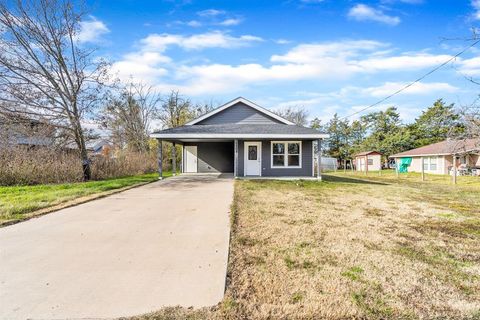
[(239, 113), (214, 156), (267, 171)]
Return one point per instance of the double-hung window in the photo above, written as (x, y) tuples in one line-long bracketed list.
[(433, 163), (286, 154), (429, 163)]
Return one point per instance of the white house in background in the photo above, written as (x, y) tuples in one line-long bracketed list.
[(372, 159), (438, 158)]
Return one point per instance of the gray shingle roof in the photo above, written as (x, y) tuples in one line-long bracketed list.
[(240, 129)]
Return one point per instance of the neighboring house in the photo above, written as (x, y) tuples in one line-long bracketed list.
[(98, 147), (438, 158), (246, 139), (372, 159), (17, 131), (95, 147)]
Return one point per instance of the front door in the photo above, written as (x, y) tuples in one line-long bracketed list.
[(253, 158), (190, 158)]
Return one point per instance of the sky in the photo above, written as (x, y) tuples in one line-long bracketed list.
[(326, 56)]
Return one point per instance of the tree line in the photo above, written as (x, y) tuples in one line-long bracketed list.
[(383, 131)]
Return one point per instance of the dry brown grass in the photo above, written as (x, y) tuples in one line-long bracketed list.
[(347, 248), (29, 166)]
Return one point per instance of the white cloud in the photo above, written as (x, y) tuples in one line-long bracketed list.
[(92, 30), (476, 6), (210, 13), (362, 12), (194, 23), (230, 22), (313, 62), (215, 39), (469, 67), (409, 61), (282, 41), (145, 66), (420, 88), (150, 64)]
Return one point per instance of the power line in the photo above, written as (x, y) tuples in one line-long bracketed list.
[(414, 82)]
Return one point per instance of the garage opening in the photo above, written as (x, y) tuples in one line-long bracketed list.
[(210, 157)]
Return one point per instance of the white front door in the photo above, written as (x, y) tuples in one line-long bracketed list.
[(190, 158), (253, 159)]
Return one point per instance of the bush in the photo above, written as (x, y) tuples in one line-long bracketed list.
[(28, 166)]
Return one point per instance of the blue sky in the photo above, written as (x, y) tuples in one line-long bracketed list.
[(324, 55)]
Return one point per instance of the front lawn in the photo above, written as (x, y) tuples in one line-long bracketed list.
[(17, 201), (348, 248)]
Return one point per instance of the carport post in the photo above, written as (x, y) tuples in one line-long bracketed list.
[(174, 159), (235, 158), (160, 157), (319, 159)]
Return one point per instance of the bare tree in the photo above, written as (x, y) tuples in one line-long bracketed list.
[(128, 116), (45, 72), (295, 114), (176, 110), (470, 117), (202, 108)]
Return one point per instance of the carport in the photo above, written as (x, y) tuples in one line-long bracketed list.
[(206, 156)]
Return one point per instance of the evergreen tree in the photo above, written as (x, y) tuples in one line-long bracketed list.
[(436, 124)]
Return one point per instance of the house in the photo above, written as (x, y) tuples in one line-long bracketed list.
[(245, 139), (373, 159), (22, 131), (98, 147), (438, 158)]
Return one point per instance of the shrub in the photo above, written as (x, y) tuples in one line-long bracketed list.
[(27, 166)]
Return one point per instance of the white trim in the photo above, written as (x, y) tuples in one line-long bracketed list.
[(313, 160), (460, 152), (235, 101), (238, 136), (245, 155), (285, 154)]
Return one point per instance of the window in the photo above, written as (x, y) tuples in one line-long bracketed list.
[(370, 162), (286, 154), (430, 163), (433, 163), (425, 164), (252, 152)]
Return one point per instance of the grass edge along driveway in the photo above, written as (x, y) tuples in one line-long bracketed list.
[(18, 203)]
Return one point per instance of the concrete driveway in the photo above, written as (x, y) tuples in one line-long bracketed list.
[(161, 244)]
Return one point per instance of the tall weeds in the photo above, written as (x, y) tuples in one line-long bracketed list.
[(28, 166)]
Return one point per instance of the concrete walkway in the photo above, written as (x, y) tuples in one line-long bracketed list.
[(161, 244)]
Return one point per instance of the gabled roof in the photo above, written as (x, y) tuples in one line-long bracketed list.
[(365, 153), (234, 102), (236, 131), (446, 147)]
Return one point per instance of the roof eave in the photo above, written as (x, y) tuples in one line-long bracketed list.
[(238, 136)]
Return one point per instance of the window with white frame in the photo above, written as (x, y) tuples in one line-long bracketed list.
[(286, 154), (433, 163), (426, 161), (430, 163)]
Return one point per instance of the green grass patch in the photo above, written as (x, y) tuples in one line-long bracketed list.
[(353, 273), (16, 201)]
